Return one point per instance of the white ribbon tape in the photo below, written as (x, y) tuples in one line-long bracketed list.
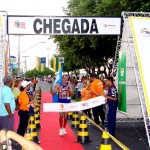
[(77, 106)]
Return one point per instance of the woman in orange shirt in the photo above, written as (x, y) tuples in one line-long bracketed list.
[(24, 108), (85, 95)]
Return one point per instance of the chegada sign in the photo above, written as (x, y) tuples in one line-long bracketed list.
[(31, 25)]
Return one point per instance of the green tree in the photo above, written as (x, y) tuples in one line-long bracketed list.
[(39, 74), (91, 52)]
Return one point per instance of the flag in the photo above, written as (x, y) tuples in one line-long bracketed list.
[(42, 66), (59, 81), (43, 60), (57, 63), (61, 59), (38, 63), (43, 63), (59, 77)]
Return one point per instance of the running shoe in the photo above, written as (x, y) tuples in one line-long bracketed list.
[(64, 131), (61, 132)]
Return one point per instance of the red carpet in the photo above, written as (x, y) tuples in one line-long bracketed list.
[(16, 120), (49, 134)]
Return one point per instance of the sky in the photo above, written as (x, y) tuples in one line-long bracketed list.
[(33, 45)]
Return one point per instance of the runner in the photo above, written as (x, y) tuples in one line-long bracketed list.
[(64, 90)]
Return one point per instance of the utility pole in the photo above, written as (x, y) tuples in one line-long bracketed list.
[(25, 63), (18, 72), (49, 49)]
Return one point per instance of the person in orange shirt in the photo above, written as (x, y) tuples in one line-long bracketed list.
[(97, 90), (23, 108), (85, 95)]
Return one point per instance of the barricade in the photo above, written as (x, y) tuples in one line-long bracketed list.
[(32, 129), (70, 115), (75, 120), (83, 135), (105, 143), (28, 135), (37, 118), (112, 137)]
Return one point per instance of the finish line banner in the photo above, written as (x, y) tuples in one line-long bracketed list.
[(31, 25), (77, 106)]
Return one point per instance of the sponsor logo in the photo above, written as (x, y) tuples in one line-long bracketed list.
[(61, 106), (73, 106), (95, 101), (109, 26), (145, 32), (85, 104), (19, 24)]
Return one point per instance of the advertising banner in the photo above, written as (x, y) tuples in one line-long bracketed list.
[(122, 81), (1, 54), (77, 106), (31, 25), (141, 34)]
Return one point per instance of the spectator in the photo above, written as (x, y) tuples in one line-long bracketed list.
[(26, 145), (7, 105), (112, 100), (79, 87), (24, 108), (97, 90), (16, 90), (85, 95)]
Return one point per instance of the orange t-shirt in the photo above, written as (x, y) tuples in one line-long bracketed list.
[(34, 81), (85, 94), (97, 86), (24, 101)]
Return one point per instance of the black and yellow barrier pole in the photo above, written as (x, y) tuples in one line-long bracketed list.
[(112, 137), (83, 135), (105, 143)]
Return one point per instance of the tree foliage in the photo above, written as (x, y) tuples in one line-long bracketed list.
[(39, 74), (91, 52)]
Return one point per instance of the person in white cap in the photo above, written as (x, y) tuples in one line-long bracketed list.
[(24, 108)]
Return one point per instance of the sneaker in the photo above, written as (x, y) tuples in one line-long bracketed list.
[(61, 132), (64, 131)]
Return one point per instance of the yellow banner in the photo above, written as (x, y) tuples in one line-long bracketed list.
[(141, 34), (1, 22), (37, 63), (42, 66), (54, 63)]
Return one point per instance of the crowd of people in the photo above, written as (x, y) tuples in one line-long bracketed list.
[(17, 96), (87, 88)]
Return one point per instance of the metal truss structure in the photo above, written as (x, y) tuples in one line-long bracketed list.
[(3, 26), (130, 47)]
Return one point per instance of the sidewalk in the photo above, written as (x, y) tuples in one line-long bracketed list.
[(131, 134)]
